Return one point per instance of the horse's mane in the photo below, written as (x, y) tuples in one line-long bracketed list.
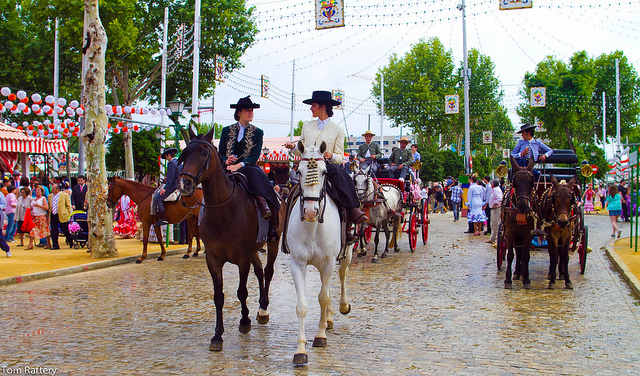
[(191, 147), (137, 183)]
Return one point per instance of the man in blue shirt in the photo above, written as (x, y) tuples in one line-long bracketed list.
[(529, 147)]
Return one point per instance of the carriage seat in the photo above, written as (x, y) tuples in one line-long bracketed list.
[(562, 156)]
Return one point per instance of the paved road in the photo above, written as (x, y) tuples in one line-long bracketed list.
[(441, 310)]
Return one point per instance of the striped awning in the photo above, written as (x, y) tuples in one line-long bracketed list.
[(13, 140)]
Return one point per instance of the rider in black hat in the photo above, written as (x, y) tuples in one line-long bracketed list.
[(529, 147), (170, 184), (240, 148), (314, 132)]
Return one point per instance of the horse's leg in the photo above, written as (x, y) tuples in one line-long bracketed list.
[(189, 238), (526, 255), (245, 321), (507, 280), (145, 241), (299, 274), (396, 226), (324, 298), (215, 269), (553, 260), (376, 241), (387, 238), (259, 272), (361, 240), (196, 232), (158, 230), (272, 254), (564, 260), (345, 307)]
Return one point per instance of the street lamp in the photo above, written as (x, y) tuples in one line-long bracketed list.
[(176, 107)]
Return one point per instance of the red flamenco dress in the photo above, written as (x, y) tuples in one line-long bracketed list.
[(126, 218)]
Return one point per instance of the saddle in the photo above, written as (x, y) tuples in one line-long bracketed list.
[(292, 200), (263, 225), (174, 196)]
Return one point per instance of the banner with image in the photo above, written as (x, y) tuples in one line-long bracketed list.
[(338, 95), (515, 4), (451, 104), (264, 86), (329, 13), (538, 97)]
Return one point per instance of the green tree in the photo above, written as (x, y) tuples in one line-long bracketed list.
[(146, 148), (297, 131)]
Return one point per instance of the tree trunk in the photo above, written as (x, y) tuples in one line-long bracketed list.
[(569, 135), (101, 238)]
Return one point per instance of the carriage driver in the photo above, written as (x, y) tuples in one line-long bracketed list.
[(529, 147), (240, 148), (314, 132), (170, 184), (369, 152)]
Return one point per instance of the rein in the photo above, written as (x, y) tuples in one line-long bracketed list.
[(551, 218), (321, 198)]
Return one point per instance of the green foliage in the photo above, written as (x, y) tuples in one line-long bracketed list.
[(297, 131), (437, 165), (146, 149), (482, 165)]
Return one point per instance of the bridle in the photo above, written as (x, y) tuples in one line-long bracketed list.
[(527, 198), (321, 198), (205, 166), (361, 192), (554, 214)]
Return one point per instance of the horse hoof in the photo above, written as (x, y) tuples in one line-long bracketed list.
[(329, 325), (508, 285), (185, 257), (300, 359), (568, 285), (319, 342), (516, 276), (195, 254), (526, 286), (362, 254), (215, 345), (245, 328), (384, 255), (262, 319), (551, 286), (374, 260), (160, 258), (346, 310), (138, 261), (396, 249)]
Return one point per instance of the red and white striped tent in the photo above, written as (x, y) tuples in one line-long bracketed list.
[(14, 141)]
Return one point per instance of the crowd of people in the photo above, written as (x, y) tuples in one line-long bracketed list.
[(37, 210)]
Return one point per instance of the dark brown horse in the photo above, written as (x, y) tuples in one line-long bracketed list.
[(517, 214), (177, 211), (229, 229), (558, 210)]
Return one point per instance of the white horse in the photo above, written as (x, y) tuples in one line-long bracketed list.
[(381, 214), (313, 237)]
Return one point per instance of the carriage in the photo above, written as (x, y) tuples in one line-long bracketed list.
[(580, 233), (415, 210)]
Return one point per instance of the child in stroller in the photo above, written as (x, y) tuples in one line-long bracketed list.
[(81, 234)]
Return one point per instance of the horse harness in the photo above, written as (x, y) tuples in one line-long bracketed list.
[(378, 196), (509, 204), (550, 216), (313, 179)]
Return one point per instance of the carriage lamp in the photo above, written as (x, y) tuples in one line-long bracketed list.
[(176, 107), (176, 111)]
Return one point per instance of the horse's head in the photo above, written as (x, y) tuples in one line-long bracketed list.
[(114, 193), (313, 174), (523, 185), (361, 180), (562, 200), (195, 159)]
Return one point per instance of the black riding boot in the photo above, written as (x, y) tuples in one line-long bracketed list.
[(272, 235), (162, 219), (263, 206)]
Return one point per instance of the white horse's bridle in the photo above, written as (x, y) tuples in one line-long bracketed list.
[(321, 198)]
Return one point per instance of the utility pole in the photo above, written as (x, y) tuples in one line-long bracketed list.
[(467, 131), (618, 147), (382, 113), (293, 102), (196, 64)]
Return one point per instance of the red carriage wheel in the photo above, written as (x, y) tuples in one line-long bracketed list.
[(425, 221), (501, 248), (412, 231), (583, 250)]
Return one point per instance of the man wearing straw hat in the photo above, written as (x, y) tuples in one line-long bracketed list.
[(314, 132), (369, 152), (401, 158)]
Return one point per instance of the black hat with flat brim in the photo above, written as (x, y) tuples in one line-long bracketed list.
[(321, 97), (526, 127), (245, 103), (167, 151)]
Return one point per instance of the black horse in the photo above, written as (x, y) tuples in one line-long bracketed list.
[(518, 210)]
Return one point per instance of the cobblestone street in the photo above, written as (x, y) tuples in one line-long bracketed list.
[(442, 310)]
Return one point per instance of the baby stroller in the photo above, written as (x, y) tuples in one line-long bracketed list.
[(81, 238)]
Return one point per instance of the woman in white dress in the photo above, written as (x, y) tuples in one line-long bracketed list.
[(475, 198)]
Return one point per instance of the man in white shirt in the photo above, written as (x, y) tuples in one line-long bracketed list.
[(494, 204), (487, 209)]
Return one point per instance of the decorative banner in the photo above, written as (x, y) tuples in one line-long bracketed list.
[(264, 86), (329, 13), (538, 96), (451, 104), (338, 95), (540, 125), (506, 153), (219, 73), (515, 4), (180, 47), (487, 137)]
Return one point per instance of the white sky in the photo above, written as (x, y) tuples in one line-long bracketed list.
[(347, 58)]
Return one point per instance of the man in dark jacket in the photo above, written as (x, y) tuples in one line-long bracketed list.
[(240, 148), (369, 153), (78, 194), (401, 158), (170, 184)]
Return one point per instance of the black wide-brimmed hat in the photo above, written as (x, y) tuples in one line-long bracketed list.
[(245, 103), (526, 127), (167, 151), (321, 97)]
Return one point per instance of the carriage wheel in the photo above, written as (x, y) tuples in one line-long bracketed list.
[(582, 250), (76, 245), (425, 221), (501, 248), (412, 231)]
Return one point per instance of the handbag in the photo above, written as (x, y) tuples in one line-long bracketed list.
[(27, 222)]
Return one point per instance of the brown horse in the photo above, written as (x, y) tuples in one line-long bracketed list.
[(558, 210), (517, 214), (229, 231), (177, 211)]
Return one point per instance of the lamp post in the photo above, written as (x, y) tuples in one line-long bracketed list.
[(176, 107), (265, 154), (593, 161)]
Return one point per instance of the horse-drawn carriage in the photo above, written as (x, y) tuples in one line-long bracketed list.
[(393, 207), (543, 190)]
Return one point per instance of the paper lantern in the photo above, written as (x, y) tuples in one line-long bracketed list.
[(26, 111), (154, 112), (74, 104), (70, 111), (80, 111), (116, 130), (36, 98), (5, 91), (126, 109), (119, 125), (62, 102), (125, 129), (19, 127), (75, 134), (21, 106), (136, 128), (9, 105), (49, 99), (12, 97)]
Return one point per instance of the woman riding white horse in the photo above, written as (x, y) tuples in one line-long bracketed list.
[(314, 238)]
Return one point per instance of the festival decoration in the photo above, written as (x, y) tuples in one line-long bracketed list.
[(515, 4), (329, 13), (451, 104), (264, 86), (538, 97), (338, 95)]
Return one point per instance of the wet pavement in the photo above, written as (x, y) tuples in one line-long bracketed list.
[(441, 310)]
